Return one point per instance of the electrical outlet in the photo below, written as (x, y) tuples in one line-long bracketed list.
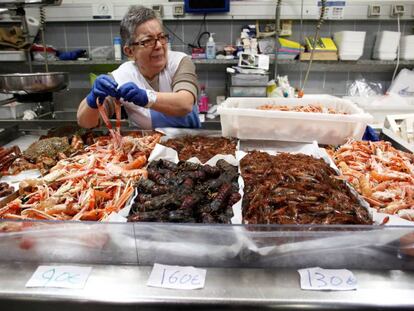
[(374, 10), (178, 9), (158, 9), (397, 10)]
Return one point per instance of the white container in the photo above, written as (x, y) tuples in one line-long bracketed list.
[(240, 118), (350, 44), (387, 41), (384, 55), (407, 47), (349, 56), (349, 36), (407, 54), (407, 40)]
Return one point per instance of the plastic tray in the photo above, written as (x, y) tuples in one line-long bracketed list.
[(240, 118)]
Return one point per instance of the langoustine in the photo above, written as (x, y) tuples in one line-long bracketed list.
[(381, 173), (88, 186)]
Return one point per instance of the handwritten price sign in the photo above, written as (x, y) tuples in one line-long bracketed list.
[(60, 276), (327, 279), (176, 277)]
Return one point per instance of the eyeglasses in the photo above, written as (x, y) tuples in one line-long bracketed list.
[(151, 42)]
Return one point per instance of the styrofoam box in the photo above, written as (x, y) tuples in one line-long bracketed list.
[(387, 41), (240, 118), (407, 54), (349, 36), (349, 56), (407, 40), (384, 55)]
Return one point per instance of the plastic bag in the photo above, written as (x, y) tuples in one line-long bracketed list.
[(403, 84), (281, 89), (364, 88)]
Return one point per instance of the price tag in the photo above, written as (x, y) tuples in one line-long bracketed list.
[(327, 279), (176, 277), (60, 276)]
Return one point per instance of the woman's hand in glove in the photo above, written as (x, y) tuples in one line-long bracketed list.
[(103, 86), (132, 93)]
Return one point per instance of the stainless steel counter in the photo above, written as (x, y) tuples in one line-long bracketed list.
[(62, 119), (124, 287)]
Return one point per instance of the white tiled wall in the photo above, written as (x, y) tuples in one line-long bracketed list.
[(87, 35)]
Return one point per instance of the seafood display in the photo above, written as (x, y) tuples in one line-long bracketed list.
[(296, 189), (44, 154), (383, 175), (202, 147), (7, 157), (186, 192), (87, 186), (307, 108)]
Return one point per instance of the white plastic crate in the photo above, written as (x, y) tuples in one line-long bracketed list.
[(240, 118)]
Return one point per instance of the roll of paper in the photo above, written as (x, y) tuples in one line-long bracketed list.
[(33, 26)]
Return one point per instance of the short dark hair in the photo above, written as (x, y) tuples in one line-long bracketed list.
[(136, 15)]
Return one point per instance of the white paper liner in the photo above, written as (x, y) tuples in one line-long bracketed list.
[(161, 152)]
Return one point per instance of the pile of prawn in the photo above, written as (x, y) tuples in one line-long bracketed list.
[(382, 174), (305, 108)]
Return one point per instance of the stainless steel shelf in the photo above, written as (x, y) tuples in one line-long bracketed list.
[(364, 65), (117, 287)]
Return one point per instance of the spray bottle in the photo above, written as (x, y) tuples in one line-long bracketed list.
[(203, 100), (211, 47)]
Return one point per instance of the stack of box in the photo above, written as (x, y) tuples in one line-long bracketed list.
[(288, 49), (386, 45), (325, 49), (248, 85), (407, 47), (350, 44)]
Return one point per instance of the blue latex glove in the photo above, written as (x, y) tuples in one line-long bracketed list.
[(102, 87), (132, 93), (370, 134), (72, 55)]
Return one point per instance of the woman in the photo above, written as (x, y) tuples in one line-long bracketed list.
[(158, 87)]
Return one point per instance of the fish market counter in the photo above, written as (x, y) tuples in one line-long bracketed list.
[(124, 288), (247, 267)]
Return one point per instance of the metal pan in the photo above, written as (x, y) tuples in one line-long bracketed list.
[(29, 83)]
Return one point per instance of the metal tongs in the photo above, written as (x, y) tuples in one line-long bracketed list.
[(115, 134)]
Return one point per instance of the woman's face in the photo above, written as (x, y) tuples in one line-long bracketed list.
[(150, 56)]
